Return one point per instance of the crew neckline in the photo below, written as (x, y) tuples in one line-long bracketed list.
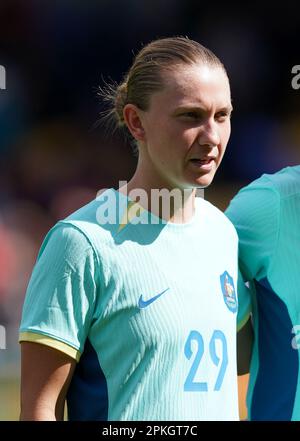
[(160, 221)]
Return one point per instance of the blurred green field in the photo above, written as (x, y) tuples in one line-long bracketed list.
[(9, 399)]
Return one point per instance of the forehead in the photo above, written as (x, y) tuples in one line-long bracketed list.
[(196, 84)]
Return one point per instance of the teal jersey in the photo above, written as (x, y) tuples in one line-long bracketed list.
[(146, 307), (266, 215)]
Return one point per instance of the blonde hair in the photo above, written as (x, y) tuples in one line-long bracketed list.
[(145, 75)]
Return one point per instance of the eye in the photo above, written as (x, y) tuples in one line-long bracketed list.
[(223, 116), (190, 115)]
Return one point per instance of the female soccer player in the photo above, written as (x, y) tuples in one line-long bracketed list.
[(130, 312)]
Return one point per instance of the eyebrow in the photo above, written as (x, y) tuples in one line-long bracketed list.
[(198, 108)]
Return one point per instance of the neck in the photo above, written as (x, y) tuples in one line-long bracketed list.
[(170, 203)]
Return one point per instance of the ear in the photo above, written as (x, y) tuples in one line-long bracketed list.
[(132, 117)]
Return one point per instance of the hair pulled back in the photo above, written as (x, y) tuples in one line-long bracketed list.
[(145, 76)]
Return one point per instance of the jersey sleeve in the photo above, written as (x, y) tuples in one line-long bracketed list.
[(254, 211), (60, 298)]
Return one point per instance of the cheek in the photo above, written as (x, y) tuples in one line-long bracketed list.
[(167, 140), (225, 135), (224, 138), (184, 139)]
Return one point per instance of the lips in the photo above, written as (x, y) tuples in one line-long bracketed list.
[(202, 161)]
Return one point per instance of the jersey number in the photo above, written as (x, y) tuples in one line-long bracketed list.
[(194, 386)]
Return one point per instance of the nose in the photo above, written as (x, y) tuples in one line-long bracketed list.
[(209, 135)]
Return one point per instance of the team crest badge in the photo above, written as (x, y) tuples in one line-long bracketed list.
[(228, 290)]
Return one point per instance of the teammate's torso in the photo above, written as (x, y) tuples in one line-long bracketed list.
[(277, 306), (267, 217)]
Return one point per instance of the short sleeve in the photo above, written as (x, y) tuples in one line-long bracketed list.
[(254, 211), (61, 295)]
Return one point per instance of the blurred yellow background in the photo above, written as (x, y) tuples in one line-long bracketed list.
[(10, 405)]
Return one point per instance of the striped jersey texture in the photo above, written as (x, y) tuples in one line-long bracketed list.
[(146, 307)]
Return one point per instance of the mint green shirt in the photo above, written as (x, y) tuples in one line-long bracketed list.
[(266, 215), (147, 309)]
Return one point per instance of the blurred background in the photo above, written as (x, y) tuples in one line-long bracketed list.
[(53, 155)]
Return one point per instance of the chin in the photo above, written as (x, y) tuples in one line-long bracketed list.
[(197, 182), (204, 181)]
